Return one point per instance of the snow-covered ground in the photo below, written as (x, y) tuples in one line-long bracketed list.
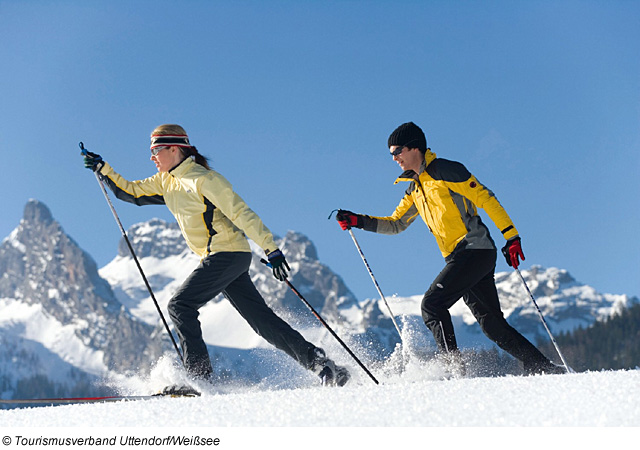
[(587, 399), (363, 412)]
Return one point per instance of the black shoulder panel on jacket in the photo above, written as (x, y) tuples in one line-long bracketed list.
[(445, 170), (125, 196)]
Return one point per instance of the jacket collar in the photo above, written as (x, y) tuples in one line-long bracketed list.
[(410, 175), (182, 168)]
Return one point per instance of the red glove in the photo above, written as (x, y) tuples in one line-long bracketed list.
[(347, 219), (511, 251)]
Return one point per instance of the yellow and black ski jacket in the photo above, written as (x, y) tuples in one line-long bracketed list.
[(212, 217), (446, 196)]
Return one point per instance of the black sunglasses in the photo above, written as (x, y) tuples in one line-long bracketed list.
[(399, 150)]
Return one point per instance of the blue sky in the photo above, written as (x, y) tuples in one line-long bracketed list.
[(293, 101)]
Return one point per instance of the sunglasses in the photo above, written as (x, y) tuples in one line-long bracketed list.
[(397, 151), (156, 150)]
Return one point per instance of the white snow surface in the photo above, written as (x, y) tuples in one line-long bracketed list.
[(415, 397), (288, 406)]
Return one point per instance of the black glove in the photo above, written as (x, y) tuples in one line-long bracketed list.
[(92, 160), (347, 219), (278, 264)]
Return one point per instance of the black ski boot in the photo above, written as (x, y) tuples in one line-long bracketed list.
[(326, 369), (543, 368), (179, 391)]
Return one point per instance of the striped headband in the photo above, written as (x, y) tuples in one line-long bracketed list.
[(162, 140)]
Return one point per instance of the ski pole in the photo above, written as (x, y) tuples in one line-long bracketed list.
[(373, 278), (326, 325), (375, 282), (544, 322), (133, 254)]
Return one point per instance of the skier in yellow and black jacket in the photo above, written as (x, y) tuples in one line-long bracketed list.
[(446, 196)]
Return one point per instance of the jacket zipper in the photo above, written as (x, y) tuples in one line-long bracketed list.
[(424, 197)]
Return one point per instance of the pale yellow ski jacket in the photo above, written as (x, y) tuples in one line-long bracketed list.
[(212, 217), (446, 196)]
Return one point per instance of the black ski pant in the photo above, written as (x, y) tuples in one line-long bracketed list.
[(469, 274), (228, 272)]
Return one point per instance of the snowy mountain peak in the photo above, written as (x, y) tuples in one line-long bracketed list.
[(297, 246), (565, 303), (155, 238), (37, 212), (545, 281), (64, 304)]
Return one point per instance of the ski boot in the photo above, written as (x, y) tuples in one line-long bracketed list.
[(178, 391), (544, 368), (330, 374)]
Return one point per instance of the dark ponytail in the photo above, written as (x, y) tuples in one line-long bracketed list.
[(199, 159)]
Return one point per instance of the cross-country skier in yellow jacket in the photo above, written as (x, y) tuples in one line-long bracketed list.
[(446, 196), (215, 223)]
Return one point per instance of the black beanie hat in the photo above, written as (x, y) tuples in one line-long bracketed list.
[(408, 135)]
